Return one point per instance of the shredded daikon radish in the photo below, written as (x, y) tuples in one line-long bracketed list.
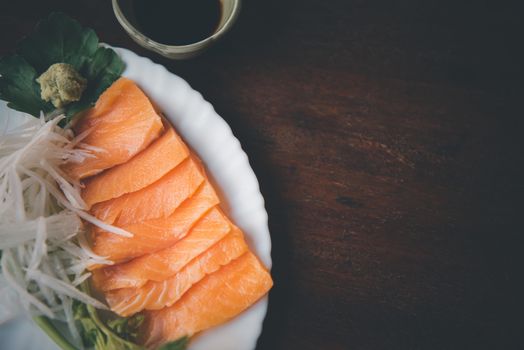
[(61, 199), (45, 254)]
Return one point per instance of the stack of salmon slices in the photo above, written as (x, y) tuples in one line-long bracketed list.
[(187, 267)]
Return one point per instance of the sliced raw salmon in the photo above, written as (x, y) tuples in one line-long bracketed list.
[(165, 263), (146, 167), (156, 234), (160, 199), (214, 300), (187, 267), (122, 123), (156, 295)]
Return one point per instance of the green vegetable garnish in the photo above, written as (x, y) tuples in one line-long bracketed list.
[(100, 336), (179, 344), (116, 333), (126, 327), (48, 327), (57, 39), (18, 86)]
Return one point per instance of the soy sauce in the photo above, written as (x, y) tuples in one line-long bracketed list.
[(177, 22)]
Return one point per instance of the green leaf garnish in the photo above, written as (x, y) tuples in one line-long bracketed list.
[(117, 333), (126, 327), (179, 344), (97, 335), (18, 86), (57, 39)]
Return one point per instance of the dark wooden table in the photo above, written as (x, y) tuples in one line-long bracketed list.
[(388, 140)]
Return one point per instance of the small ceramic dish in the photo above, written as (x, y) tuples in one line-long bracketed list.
[(229, 13)]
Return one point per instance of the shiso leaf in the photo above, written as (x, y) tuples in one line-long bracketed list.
[(19, 88), (57, 39), (102, 70)]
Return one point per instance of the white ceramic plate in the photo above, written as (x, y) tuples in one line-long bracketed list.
[(210, 136)]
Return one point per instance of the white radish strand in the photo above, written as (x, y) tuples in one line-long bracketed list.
[(61, 199), (65, 288), (27, 298), (44, 250)]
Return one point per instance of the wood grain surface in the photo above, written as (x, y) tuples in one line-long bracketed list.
[(388, 140)]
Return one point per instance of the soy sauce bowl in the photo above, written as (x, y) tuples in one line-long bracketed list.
[(124, 13)]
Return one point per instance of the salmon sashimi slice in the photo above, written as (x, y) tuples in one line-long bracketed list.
[(216, 299), (152, 235), (165, 263), (160, 199), (146, 167), (122, 123), (156, 295)]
